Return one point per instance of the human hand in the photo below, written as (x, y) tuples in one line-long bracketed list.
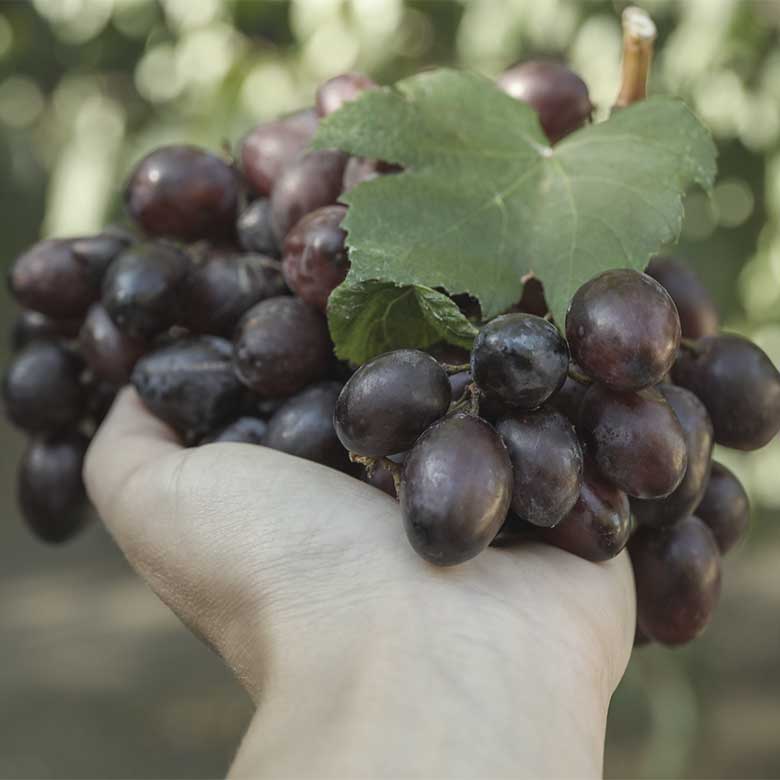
[(362, 659)]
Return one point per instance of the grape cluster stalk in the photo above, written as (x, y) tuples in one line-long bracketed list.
[(592, 435)]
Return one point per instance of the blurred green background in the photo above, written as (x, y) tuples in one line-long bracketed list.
[(97, 679)]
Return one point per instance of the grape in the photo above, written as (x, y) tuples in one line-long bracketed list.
[(677, 577), (101, 396), (532, 300), (360, 169), (50, 487), (303, 426), (568, 399), (335, 92), (389, 401), (738, 384), (183, 192), (698, 315), (244, 430), (555, 92), (515, 531), (547, 464), (455, 489), (599, 524), (190, 385), (635, 439), (268, 149), (42, 388), (219, 290), (312, 181), (623, 329), (108, 352), (281, 345), (141, 288), (519, 359), (458, 384), (254, 228), (382, 479), (315, 257), (32, 326), (697, 429), (725, 507)]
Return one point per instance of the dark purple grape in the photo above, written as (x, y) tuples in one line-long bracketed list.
[(315, 256), (532, 300), (738, 384), (725, 507), (108, 352), (515, 532), (282, 344), (32, 326), (697, 429), (568, 399), (270, 148), (190, 385), (254, 229), (312, 181), (244, 430), (555, 92), (50, 487), (183, 192), (42, 389), (219, 290), (389, 401), (142, 286), (635, 439), (458, 384), (335, 92), (599, 524), (547, 465), (382, 479), (455, 489), (520, 360), (623, 329), (697, 311), (101, 396), (360, 169), (303, 426), (677, 577)]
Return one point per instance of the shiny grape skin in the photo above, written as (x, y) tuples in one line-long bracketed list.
[(520, 360), (599, 524), (315, 256), (455, 489), (635, 440), (546, 462), (568, 399), (312, 181), (303, 426), (341, 89), (141, 288), (725, 507), (738, 384), (183, 192), (244, 430), (623, 329), (254, 229), (190, 385), (109, 353), (32, 326), (389, 401), (699, 441), (360, 169), (50, 488), (557, 94), (269, 148), (695, 306), (281, 345), (223, 286), (42, 390), (532, 300), (677, 578)]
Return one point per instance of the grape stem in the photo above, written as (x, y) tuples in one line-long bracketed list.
[(372, 464), (457, 368), (638, 38), (691, 345), (469, 400), (578, 376)]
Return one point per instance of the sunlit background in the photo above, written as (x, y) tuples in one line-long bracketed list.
[(96, 678)]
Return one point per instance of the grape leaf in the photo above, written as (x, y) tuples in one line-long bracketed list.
[(484, 200), (369, 317)]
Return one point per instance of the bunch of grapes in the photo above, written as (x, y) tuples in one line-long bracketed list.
[(212, 305)]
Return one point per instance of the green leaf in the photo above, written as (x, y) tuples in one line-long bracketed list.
[(484, 200), (370, 317)]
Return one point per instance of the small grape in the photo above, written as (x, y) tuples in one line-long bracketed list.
[(532, 300), (108, 352), (738, 384), (315, 256), (32, 326), (455, 489), (568, 399), (382, 479), (101, 397), (458, 384), (547, 465), (254, 229), (515, 532), (389, 401), (623, 329), (244, 430), (335, 92), (725, 507), (520, 360)]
